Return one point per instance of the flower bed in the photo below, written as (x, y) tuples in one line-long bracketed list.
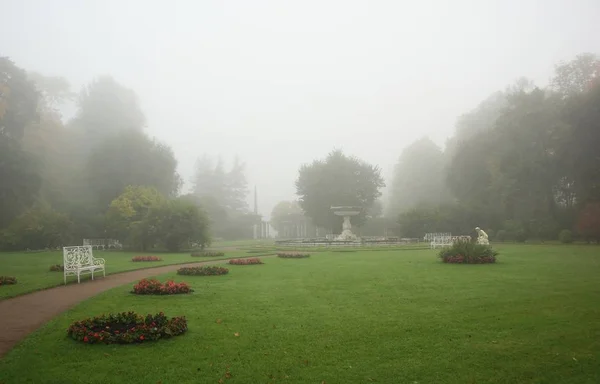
[(466, 252), (155, 287), (145, 258), (8, 280), (208, 254), (208, 270), (126, 328), (248, 261), (57, 268), (293, 255)]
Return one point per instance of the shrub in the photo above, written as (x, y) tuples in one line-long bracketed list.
[(8, 280), (208, 254), (466, 252), (126, 328), (208, 270), (292, 255), (248, 261), (565, 236), (145, 258), (501, 235), (57, 268), (155, 287)]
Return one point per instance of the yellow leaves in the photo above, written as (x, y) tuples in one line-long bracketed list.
[(237, 334), (219, 321)]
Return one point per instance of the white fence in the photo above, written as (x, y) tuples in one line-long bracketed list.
[(103, 243)]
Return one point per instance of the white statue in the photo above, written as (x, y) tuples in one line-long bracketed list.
[(483, 237)]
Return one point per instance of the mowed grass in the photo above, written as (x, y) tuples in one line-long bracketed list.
[(32, 268), (356, 317)]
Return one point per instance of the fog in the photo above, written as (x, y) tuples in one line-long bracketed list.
[(282, 83)]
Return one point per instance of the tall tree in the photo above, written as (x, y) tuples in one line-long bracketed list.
[(127, 214), (130, 158), (19, 170), (418, 177), (236, 187), (338, 180), (18, 100), (577, 75)]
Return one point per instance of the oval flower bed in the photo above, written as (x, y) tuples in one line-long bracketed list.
[(208, 254), (293, 255), (155, 287), (146, 258), (57, 268), (126, 328), (466, 252), (248, 261), (208, 270), (8, 280)]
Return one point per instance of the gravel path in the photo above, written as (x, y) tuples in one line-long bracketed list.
[(22, 315)]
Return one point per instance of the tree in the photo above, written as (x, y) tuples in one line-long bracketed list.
[(576, 76), (18, 100), (236, 187), (178, 224), (20, 180), (127, 216), (338, 180), (578, 154), (418, 177), (39, 227), (130, 158), (53, 90), (107, 108), (286, 212)]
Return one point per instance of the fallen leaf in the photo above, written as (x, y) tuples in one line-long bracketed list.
[(306, 362), (228, 375), (219, 321), (236, 334), (220, 381), (574, 359)]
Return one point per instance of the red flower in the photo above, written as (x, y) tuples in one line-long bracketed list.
[(142, 337), (85, 339)]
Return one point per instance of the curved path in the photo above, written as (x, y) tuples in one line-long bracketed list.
[(28, 312)]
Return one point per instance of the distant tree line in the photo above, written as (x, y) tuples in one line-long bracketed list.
[(96, 175), (525, 164)]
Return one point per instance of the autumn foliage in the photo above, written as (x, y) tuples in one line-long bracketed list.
[(588, 222)]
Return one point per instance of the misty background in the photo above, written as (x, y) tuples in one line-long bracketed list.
[(282, 83)]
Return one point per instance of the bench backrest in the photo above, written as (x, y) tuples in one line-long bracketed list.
[(78, 256)]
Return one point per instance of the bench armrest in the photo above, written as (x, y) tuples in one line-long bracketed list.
[(99, 261)]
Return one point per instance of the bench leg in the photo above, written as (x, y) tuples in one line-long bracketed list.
[(78, 278), (104, 272), (65, 278), (92, 274)]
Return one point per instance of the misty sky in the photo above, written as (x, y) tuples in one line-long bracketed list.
[(283, 82)]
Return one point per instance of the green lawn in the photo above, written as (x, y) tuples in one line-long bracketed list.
[(355, 317), (32, 268)]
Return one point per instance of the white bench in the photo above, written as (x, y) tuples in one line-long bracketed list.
[(441, 241), (80, 260)]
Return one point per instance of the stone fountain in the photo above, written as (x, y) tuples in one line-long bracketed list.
[(346, 212)]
